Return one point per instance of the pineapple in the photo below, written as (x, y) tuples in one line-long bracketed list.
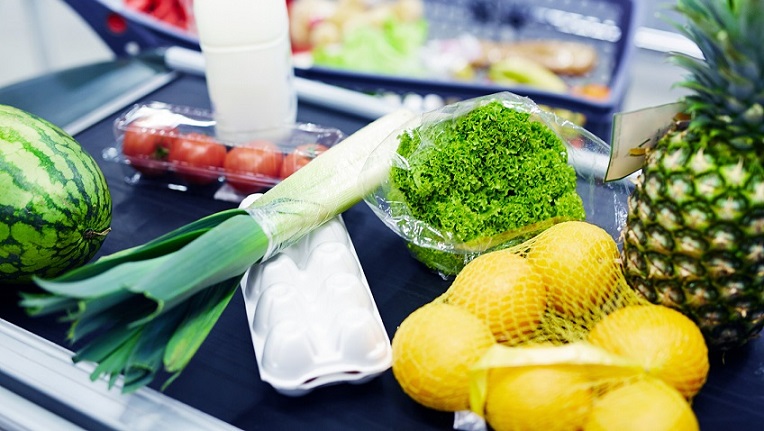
[(694, 236)]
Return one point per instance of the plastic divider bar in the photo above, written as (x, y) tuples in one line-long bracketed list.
[(37, 375)]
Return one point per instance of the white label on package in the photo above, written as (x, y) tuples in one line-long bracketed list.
[(634, 132)]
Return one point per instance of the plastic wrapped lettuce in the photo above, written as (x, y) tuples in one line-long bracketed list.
[(488, 173)]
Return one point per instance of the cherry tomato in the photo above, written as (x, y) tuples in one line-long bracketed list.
[(300, 157), (252, 167), (197, 158), (146, 148)]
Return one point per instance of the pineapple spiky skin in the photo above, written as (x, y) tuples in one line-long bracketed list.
[(694, 235), (694, 238)]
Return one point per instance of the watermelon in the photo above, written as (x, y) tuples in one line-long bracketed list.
[(55, 206)]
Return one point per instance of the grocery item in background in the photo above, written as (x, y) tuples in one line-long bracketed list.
[(563, 57), (248, 66), (176, 13), (587, 45)]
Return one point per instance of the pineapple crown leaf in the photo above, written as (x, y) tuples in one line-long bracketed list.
[(726, 85)]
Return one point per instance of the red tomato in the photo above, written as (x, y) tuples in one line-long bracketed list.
[(252, 167), (147, 148), (300, 157), (197, 158)]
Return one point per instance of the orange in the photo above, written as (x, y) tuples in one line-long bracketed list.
[(581, 267), (503, 289), (645, 405), (433, 350), (549, 398), (667, 343)]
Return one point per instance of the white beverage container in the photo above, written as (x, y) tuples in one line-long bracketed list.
[(248, 65)]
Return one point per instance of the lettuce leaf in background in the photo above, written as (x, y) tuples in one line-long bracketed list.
[(392, 48)]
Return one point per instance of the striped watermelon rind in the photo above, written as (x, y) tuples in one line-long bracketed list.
[(55, 205)]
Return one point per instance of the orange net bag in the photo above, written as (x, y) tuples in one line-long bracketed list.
[(571, 341)]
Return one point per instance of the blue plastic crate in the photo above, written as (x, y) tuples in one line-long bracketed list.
[(607, 25)]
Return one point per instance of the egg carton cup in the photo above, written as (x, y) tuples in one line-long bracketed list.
[(312, 316)]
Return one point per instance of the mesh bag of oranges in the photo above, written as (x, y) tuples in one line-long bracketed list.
[(547, 335)]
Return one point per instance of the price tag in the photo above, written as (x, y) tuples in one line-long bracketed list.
[(635, 132)]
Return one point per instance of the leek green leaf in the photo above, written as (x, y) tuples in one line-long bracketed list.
[(204, 311)]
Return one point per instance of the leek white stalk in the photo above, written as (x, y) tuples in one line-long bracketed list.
[(151, 307), (335, 181)]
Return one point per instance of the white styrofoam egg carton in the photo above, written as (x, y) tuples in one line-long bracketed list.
[(312, 316)]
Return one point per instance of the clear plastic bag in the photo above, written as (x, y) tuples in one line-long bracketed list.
[(448, 250)]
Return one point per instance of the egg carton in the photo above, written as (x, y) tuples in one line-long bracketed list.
[(312, 316)]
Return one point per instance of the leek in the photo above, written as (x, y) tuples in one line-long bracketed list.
[(150, 307)]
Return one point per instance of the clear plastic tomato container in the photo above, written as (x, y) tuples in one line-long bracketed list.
[(172, 146)]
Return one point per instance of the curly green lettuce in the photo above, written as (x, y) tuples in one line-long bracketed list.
[(488, 172)]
